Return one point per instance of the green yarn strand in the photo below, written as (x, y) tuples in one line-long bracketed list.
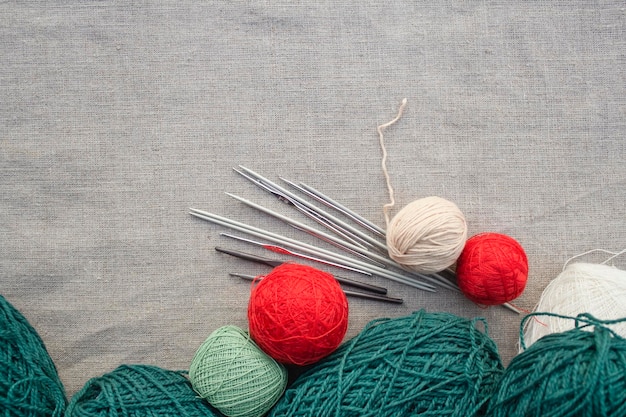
[(29, 382), (582, 321)]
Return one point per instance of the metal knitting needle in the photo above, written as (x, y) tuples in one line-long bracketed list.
[(275, 191), (329, 202), (355, 250), (305, 206), (378, 297), (309, 209), (285, 197), (285, 251), (327, 254), (312, 192), (434, 278), (274, 263), (280, 249), (310, 249)]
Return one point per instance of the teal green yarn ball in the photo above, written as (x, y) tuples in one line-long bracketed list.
[(138, 391), (577, 373), (235, 376), (430, 364), (29, 382)]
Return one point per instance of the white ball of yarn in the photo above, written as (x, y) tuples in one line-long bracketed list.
[(427, 235), (597, 289)]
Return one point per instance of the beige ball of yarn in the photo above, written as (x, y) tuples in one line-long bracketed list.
[(427, 235)]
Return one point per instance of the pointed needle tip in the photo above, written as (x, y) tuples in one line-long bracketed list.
[(243, 276)]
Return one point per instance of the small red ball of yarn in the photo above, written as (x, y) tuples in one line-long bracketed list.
[(492, 269), (298, 314)]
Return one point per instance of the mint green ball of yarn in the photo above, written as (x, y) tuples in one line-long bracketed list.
[(424, 364), (576, 373), (235, 376), (29, 382), (139, 391)]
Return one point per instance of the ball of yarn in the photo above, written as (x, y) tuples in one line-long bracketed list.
[(29, 382), (574, 373), (434, 364), (235, 376), (427, 235), (138, 390), (596, 289), (298, 314), (492, 269)]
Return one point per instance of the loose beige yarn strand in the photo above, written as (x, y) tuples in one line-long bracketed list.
[(608, 252), (380, 128)]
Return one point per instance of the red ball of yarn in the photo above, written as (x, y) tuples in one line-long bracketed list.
[(298, 314), (492, 269)]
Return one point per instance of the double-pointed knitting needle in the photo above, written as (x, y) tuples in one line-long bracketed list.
[(350, 293), (329, 202), (311, 210), (353, 249), (310, 249), (310, 191), (284, 196), (274, 263), (372, 257), (285, 251)]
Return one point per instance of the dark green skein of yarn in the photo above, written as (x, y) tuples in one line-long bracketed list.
[(29, 382), (139, 391), (424, 364), (576, 373)]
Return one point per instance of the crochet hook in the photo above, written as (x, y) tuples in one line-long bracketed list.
[(274, 263), (368, 296)]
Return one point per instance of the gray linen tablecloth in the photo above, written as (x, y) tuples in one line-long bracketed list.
[(116, 117)]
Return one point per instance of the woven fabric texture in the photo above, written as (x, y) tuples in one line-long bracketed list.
[(115, 118)]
